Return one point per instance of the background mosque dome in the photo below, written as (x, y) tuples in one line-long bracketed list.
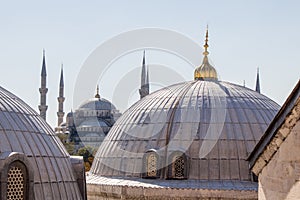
[(90, 123), (213, 125), (94, 109), (33, 162), (97, 104)]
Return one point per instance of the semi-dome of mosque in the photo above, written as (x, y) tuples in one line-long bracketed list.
[(191, 136), (33, 162)]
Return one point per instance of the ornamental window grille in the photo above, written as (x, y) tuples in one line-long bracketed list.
[(151, 165), (178, 166), (16, 182)]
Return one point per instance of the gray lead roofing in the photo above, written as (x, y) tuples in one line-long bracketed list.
[(216, 124), (23, 130)]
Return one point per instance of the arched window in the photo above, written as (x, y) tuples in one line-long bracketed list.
[(178, 167), (151, 166), (17, 181)]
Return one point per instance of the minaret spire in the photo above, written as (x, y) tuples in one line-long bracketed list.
[(147, 79), (43, 89), (44, 73), (97, 92), (257, 87), (61, 98), (144, 90)]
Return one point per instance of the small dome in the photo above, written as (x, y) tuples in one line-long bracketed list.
[(27, 142)]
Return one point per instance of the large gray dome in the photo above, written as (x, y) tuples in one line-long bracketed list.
[(28, 145), (214, 124)]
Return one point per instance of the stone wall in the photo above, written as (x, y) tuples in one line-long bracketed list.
[(79, 172), (110, 192), (279, 179)]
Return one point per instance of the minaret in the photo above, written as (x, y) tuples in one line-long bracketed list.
[(257, 87), (144, 90), (61, 99), (43, 90)]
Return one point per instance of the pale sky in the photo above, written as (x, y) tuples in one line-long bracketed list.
[(244, 35)]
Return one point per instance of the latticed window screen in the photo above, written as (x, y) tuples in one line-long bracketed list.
[(178, 166), (151, 165), (15, 184)]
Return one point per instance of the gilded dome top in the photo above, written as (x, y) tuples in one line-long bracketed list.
[(205, 71)]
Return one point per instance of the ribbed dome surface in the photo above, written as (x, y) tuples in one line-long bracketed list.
[(216, 124), (22, 130)]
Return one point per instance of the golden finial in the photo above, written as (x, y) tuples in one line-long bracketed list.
[(205, 53), (205, 71), (97, 92)]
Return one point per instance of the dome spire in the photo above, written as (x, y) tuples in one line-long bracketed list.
[(205, 71), (205, 53), (97, 92)]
